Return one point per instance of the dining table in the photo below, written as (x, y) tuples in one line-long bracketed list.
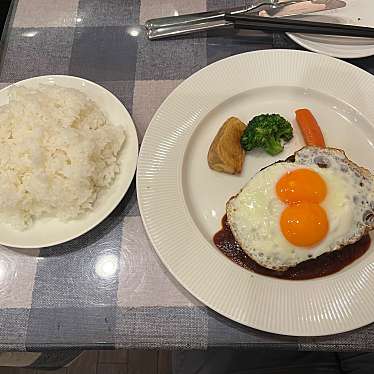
[(107, 289)]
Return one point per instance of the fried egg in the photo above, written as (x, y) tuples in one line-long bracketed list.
[(294, 211)]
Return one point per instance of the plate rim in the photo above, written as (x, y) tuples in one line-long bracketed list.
[(298, 39), (132, 166), (152, 239)]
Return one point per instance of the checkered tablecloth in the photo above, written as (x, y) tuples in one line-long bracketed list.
[(58, 298)]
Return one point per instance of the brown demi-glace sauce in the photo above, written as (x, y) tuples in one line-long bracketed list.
[(328, 263)]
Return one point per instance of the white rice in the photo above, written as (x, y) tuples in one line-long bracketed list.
[(57, 152)]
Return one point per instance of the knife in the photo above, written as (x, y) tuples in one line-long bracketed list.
[(289, 8)]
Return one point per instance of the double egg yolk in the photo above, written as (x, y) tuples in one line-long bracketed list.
[(303, 222)]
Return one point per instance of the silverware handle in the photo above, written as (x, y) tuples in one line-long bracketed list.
[(185, 29), (186, 18)]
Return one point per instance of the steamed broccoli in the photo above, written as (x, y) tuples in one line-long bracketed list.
[(267, 131)]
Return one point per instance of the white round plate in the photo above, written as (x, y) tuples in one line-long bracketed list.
[(51, 231), (356, 12), (182, 201)]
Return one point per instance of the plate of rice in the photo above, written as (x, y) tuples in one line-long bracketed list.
[(68, 155)]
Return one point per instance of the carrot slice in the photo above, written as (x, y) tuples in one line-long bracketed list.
[(309, 127)]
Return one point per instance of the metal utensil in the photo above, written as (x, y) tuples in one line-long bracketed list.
[(208, 16), (281, 9), (189, 28)]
